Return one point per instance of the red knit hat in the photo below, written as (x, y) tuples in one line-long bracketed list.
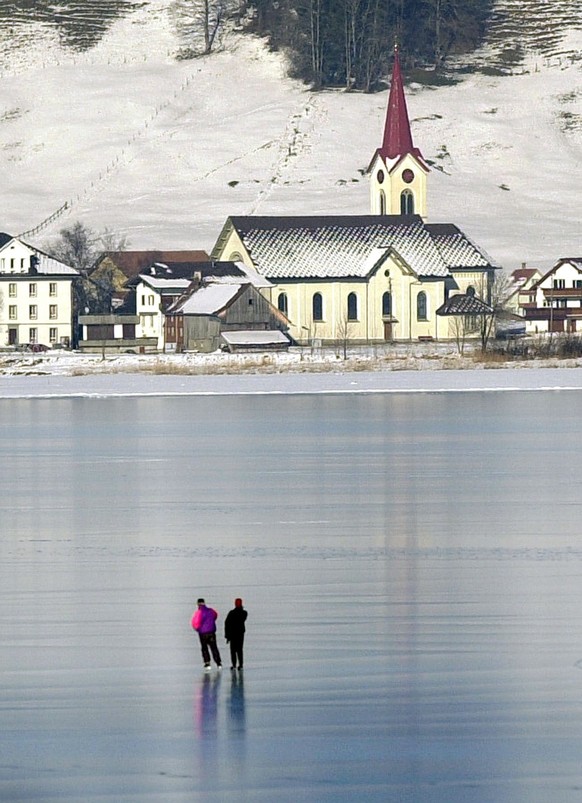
[(238, 602)]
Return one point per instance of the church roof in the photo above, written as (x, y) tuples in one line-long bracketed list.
[(458, 251), (339, 247), (397, 139)]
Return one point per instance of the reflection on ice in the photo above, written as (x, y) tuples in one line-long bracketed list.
[(413, 569)]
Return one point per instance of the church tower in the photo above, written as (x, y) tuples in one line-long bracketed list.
[(397, 171)]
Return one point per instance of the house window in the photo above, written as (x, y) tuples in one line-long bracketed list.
[(53, 312), (406, 203), (12, 289), (387, 305), (33, 312), (382, 202), (151, 301), (283, 303), (32, 289), (2, 263), (352, 307), (22, 263), (12, 312), (53, 334), (53, 289), (12, 264), (32, 335), (143, 302), (559, 284), (317, 307), (421, 309)]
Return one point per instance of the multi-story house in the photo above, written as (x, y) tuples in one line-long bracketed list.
[(554, 302), (36, 296)]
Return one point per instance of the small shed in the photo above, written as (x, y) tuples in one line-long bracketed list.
[(200, 318), (114, 333), (255, 340)]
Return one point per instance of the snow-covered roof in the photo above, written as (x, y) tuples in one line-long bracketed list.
[(457, 250), (464, 304), (207, 300), (255, 337), (51, 266), (342, 246), (165, 284)]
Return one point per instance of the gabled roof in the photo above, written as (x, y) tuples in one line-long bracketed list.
[(464, 304), (45, 263), (576, 262), (523, 275), (340, 247), (160, 274), (207, 300), (131, 263)]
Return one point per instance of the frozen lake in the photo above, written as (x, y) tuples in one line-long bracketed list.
[(412, 567)]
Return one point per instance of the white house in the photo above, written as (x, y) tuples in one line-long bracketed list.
[(36, 296), (554, 302)]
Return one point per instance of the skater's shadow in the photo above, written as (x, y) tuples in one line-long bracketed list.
[(206, 705), (236, 703)]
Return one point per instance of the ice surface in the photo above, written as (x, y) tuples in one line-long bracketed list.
[(411, 564)]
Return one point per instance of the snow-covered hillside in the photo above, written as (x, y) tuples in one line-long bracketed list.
[(161, 150)]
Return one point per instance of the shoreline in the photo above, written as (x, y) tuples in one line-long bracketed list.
[(421, 380)]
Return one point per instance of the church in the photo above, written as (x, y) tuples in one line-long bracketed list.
[(367, 278)]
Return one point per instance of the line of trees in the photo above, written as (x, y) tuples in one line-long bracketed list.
[(349, 42)]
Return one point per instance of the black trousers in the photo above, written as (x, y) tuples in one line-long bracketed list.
[(208, 645), (236, 650)]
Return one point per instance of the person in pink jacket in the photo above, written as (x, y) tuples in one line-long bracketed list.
[(204, 623)]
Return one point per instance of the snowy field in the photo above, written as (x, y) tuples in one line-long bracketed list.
[(163, 150)]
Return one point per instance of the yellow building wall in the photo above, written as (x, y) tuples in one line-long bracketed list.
[(370, 324), (393, 185)]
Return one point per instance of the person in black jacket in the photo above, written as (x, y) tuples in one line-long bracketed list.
[(234, 632)]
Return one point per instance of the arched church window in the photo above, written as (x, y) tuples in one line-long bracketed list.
[(406, 202), (387, 305), (421, 307), (235, 257), (282, 303), (317, 307), (470, 290), (352, 307), (382, 202)]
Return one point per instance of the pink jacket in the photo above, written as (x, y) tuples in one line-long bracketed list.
[(204, 620)]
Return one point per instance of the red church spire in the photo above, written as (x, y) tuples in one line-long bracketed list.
[(397, 136)]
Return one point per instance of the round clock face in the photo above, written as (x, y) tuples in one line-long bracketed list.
[(408, 176), (380, 176)]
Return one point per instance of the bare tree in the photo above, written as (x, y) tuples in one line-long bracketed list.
[(201, 22), (79, 246), (498, 294), (343, 335)]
